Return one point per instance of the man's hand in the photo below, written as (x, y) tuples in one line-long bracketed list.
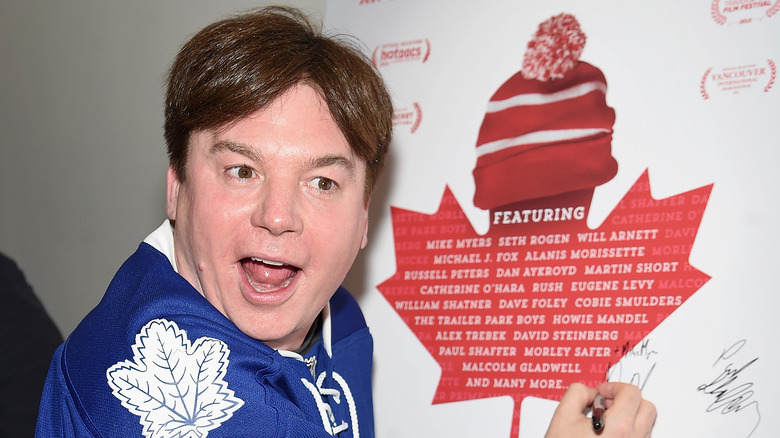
[(627, 414)]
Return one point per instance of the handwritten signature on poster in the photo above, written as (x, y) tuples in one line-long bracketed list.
[(731, 390), (642, 357)]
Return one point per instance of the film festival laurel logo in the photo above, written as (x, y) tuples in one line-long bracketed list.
[(407, 51), (743, 11), (756, 77), (409, 116)]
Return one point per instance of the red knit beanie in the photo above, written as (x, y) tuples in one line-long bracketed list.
[(548, 129)]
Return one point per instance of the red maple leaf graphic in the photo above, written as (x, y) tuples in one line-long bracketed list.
[(541, 300)]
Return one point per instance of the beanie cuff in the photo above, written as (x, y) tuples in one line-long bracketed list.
[(544, 171)]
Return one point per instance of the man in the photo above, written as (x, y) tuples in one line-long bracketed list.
[(229, 319)]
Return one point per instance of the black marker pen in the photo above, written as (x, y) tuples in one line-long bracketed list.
[(598, 413)]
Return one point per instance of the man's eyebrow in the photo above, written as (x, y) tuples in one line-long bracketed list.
[(333, 160), (251, 154), (238, 148)]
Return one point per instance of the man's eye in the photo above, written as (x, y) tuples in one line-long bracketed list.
[(324, 184), (242, 172)]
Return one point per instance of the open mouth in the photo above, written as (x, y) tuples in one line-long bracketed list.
[(268, 275)]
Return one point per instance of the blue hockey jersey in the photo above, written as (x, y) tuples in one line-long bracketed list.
[(155, 359)]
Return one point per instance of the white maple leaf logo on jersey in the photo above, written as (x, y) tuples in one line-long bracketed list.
[(175, 387)]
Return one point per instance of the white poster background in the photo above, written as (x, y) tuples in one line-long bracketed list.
[(658, 58)]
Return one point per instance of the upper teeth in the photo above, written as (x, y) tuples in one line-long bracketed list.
[(268, 262)]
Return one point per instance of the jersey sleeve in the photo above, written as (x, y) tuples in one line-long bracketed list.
[(58, 414)]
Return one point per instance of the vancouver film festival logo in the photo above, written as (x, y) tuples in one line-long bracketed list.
[(756, 77)]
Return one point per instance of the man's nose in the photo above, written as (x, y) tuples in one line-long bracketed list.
[(279, 208)]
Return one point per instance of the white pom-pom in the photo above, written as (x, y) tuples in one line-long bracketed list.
[(555, 49)]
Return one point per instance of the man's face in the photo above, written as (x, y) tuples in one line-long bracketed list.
[(270, 217)]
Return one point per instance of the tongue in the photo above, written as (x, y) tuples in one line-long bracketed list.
[(264, 277)]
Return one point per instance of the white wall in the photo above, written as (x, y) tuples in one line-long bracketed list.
[(82, 157)]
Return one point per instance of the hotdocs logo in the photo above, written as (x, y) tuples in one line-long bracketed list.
[(743, 11), (408, 117), (758, 77), (406, 51)]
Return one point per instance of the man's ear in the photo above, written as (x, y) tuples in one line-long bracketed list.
[(364, 241), (172, 196)]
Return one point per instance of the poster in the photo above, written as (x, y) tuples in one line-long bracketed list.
[(575, 193)]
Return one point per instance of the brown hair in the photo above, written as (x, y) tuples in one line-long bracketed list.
[(239, 65)]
